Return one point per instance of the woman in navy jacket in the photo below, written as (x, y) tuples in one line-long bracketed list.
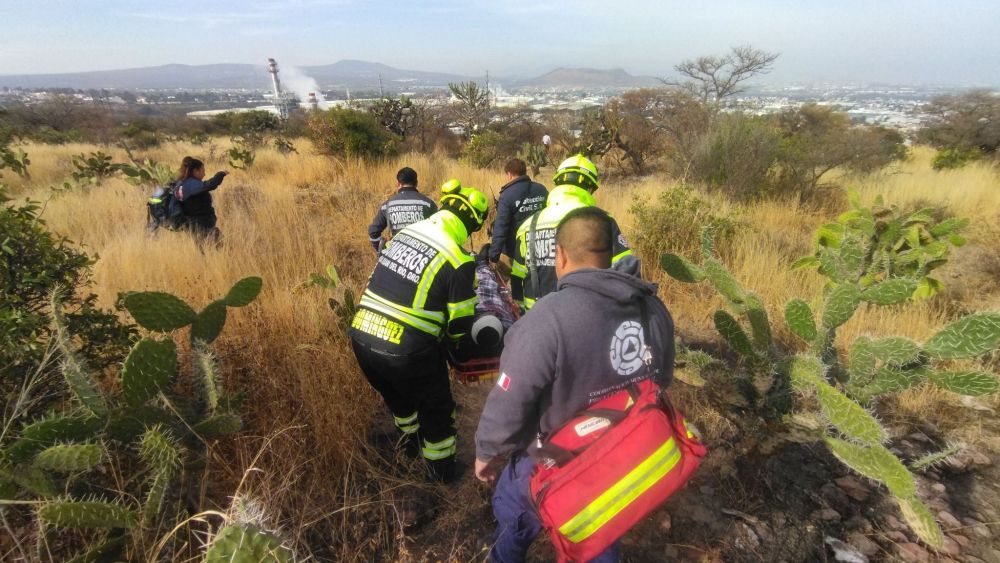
[(195, 195)]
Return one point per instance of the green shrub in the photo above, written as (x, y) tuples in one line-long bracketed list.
[(347, 132), (486, 148), (952, 158), (674, 220)]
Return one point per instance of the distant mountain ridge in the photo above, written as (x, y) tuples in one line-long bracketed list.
[(343, 74), (346, 73), (590, 77)]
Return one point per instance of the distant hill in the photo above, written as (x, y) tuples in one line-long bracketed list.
[(347, 73), (589, 78)]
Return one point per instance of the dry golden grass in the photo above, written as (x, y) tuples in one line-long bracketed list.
[(308, 408)]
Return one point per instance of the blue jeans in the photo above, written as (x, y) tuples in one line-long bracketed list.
[(517, 521)]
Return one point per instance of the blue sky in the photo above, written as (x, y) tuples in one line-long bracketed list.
[(918, 41)]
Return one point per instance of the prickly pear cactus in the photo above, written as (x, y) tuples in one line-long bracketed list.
[(800, 319), (64, 427), (218, 425), (680, 269), (889, 292), (244, 543), (208, 324), (244, 292), (840, 305), (69, 457), (159, 311), (149, 367), (733, 333), (87, 514), (967, 337)]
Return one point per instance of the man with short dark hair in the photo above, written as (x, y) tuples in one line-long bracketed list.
[(519, 198), (402, 209), (580, 344)]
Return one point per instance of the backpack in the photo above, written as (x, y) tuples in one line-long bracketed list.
[(608, 467), (164, 209)]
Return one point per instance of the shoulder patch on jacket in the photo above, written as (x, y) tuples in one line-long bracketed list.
[(503, 381)]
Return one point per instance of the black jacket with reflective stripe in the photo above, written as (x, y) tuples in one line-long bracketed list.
[(519, 198), (422, 289), (405, 207)]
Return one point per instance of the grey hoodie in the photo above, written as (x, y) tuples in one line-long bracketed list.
[(575, 347)]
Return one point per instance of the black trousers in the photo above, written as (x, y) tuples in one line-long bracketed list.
[(417, 391)]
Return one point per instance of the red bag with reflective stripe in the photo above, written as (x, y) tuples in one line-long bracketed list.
[(607, 468)]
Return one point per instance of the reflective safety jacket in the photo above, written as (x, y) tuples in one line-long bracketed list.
[(561, 201), (422, 290), (405, 207)]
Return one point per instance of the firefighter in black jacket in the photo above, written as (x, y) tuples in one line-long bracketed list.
[(405, 207), (421, 295), (519, 198)]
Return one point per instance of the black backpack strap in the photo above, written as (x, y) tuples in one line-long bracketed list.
[(532, 265)]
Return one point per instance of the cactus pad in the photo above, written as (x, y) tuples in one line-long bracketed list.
[(921, 521), (69, 457), (895, 351), (244, 292), (207, 368), (967, 337), (972, 383), (247, 544), (82, 386), (840, 305), (149, 367), (156, 497), (760, 327), (800, 319), (733, 333), (805, 372), (34, 480), (209, 323), (890, 292), (86, 514), (36, 436), (875, 462), (158, 311), (885, 380), (680, 269), (935, 458), (724, 282), (848, 416), (218, 425), (158, 450)]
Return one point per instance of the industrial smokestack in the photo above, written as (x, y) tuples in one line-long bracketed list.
[(279, 97)]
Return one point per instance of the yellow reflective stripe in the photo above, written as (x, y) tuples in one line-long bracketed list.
[(463, 309), (621, 255), (518, 269), (622, 493), (429, 239), (417, 323), (155, 200), (427, 280), (528, 303), (405, 420), (435, 316), (439, 450)]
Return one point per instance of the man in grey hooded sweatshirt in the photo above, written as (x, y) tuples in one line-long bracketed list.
[(577, 346)]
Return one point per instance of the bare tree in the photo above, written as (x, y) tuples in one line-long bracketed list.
[(472, 108), (714, 78)]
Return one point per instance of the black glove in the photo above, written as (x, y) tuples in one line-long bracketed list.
[(484, 253)]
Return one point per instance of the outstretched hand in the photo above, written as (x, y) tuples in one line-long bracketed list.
[(488, 471)]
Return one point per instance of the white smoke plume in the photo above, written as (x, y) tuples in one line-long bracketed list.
[(298, 82)]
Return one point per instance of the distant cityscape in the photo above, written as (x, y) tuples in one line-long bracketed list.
[(208, 90)]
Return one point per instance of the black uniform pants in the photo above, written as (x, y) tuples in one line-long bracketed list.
[(417, 391)]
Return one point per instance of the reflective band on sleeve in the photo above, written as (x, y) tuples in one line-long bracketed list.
[(434, 316), (439, 450), (155, 200), (622, 493), (528, 303), (621, 255), (463, 309)]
